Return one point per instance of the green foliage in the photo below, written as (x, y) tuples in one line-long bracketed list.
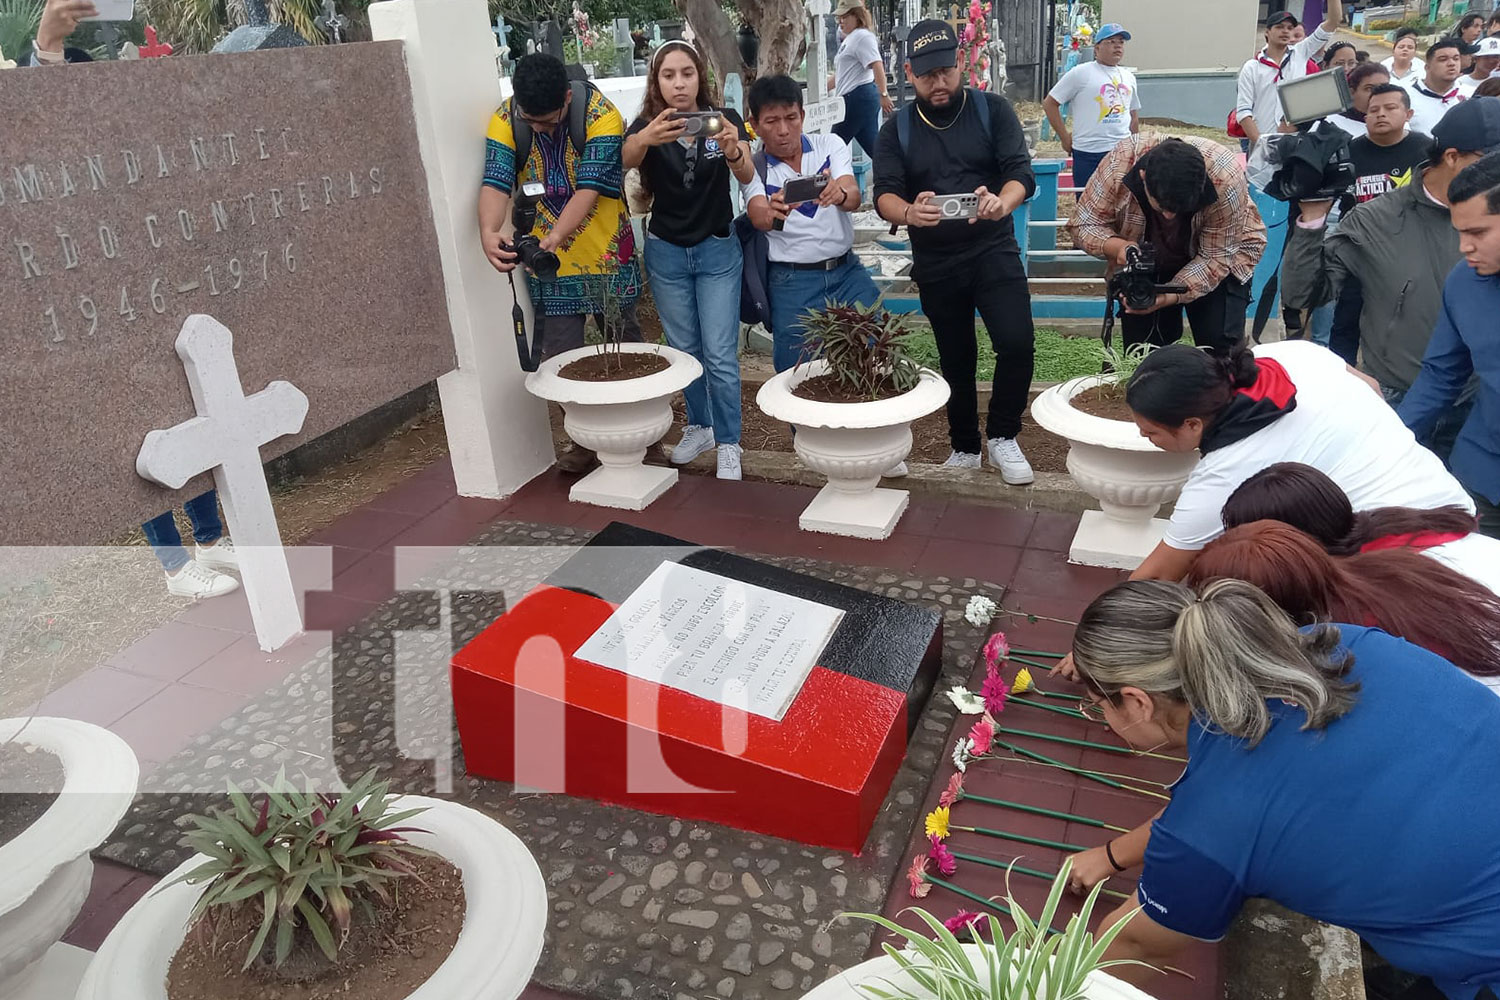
[(867, 348), (1123, 363), (18, 24), (305, 860), (1034, 963)]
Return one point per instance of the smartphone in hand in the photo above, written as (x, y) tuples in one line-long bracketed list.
[(704, 123), (112, 10), (957, 206), (804, 188)]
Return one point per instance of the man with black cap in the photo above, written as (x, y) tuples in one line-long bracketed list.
[(1401, 246), (1257, 107), (955, 140)]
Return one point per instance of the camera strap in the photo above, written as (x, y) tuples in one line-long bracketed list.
[(529, 354)]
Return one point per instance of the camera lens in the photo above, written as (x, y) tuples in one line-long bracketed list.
[(692, 126)]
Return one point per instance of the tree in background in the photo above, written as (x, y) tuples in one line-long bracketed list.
[(781, 24)]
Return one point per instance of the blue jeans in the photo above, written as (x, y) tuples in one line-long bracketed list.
[(697, 293), (166, 541), (794, 292), (1084, 165), (861, 118), (1320, 322)]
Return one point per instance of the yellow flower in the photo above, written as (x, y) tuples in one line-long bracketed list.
[(937, 822), (1022, 683)]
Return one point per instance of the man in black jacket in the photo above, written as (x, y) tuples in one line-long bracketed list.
[(954, 140)]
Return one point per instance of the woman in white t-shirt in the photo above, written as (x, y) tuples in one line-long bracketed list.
[(1406, 69), (1305, 498), (859, 77), (1287, 402)]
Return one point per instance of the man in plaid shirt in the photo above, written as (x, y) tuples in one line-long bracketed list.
[(1189, 200)]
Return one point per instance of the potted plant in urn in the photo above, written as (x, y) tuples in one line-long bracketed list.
[(313, 896), (1109, 460), (65, 785), (851, 403), (969, 957), (617, 402)]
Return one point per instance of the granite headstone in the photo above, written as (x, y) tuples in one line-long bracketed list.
[(237, 186)]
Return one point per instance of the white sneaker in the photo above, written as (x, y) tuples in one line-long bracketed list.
[(1006, 455), (695, 441), (198, 581), (962, 460), (220, 555), (729, 461), (895, 472)]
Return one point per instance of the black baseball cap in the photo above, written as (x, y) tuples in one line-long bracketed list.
[(1284, 16), (931, 45), (1470, 127)]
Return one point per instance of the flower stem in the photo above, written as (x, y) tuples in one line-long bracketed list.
[(1071, 713), (1020, 870), (1039, 811), (1000, 908), (1038, 652), (1091, 775), (1058, 694), (1021, 838), (1029, 663), (1087, 743)]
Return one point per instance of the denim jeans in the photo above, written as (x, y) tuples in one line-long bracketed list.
[(1084, 165), (1320, 322), (794, 292), (697, 293), (166, 541), (1343, 338), (861, 118)]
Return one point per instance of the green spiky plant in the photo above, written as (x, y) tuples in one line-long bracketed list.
[(18, 23), (306, 861), (867, 348), (1035, 963)]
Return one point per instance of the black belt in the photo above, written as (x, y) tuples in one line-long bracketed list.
[(831, 264)]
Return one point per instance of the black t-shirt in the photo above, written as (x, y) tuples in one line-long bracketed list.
[(1379, 169), (948, 154), (686, 215)]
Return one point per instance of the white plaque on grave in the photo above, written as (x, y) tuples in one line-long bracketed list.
[(719, 639), (823, 115)]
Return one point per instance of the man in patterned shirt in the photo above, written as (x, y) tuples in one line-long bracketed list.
[(1189, 200)]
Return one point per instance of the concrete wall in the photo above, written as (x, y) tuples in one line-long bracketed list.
[(1168, 34), (1194, 96)]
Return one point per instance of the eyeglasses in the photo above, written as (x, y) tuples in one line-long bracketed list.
[(549, 122), (1092, 710)]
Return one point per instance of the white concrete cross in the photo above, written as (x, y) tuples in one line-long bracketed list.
[(226, 437)]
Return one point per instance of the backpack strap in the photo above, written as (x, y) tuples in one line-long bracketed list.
[(759, 161), (982, 105), (578, 125), (903, 127), (520, 130)]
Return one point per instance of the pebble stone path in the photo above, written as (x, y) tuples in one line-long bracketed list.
[(641, 905)]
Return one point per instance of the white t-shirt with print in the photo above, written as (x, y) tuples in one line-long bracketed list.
[(1102, 98), (1341, 427), (812, 232), (852, 65)]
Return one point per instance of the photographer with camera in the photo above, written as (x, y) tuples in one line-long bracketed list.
[(581, 255), (1188, 199), (1400, 246), (952, 167), (687, 150)]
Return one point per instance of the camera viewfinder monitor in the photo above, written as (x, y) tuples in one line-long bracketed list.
[(1316, 96)]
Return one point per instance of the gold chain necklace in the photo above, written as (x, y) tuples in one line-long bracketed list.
[(944, 128)]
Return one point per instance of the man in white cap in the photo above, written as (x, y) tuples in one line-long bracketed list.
[(1486, 61), (1106, 106)]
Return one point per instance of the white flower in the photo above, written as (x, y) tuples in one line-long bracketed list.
[(966, 701), (980, 610), (962, 753)]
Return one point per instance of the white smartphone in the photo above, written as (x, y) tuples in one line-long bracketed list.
[(112, 10)]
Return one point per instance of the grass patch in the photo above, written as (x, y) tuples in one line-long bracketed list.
[(1058, 358)]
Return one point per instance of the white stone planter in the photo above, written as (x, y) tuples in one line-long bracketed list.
[(494, 956), (1129, 476), (619, 421), (852, 444), (45, 873), (882, 971)]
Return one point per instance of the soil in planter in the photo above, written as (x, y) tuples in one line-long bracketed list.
[(828, 389), (30, 781), (1107, 401), (386, 961), (613, 367)]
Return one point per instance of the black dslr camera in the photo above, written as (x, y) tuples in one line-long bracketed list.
[(1135, 283), (542, 263)]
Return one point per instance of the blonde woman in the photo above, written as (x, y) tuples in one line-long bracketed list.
[(859, 77), (1340, 771)]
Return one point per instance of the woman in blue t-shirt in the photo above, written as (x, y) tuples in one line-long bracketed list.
[(1320, 775)]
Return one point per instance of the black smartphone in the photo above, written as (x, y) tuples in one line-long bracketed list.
[(698, 122), (805, 188)]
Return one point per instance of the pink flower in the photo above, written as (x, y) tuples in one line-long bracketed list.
[(981, 735), (939, 854), (994, 691), (953, 792), (963, 920), (916, 877), (995, 650)]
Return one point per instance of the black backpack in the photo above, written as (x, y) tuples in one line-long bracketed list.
[(904, 119), (755, 285), (577, 124)]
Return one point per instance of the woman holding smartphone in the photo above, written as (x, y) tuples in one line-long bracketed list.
[(693, 257)]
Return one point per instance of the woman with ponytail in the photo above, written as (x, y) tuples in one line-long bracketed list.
[(1396, 590), (1306, 499), (1310, 780), (1292, 401)]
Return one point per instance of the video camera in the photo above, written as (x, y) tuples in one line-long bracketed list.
[(1311, 164), (1134, 287), (542, 263)]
